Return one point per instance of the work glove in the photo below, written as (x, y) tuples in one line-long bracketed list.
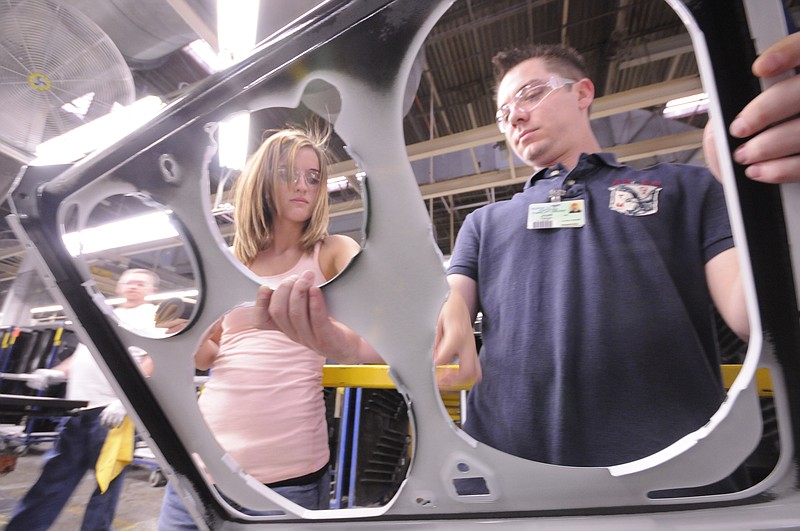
[(113, 414), (41, 379)]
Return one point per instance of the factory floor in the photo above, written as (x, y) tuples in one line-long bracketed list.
[(138, 507)]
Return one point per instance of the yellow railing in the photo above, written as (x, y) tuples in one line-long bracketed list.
[(377, 377), (763, 379)]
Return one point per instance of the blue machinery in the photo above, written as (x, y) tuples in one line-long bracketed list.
[(364, 52), (22, 351)]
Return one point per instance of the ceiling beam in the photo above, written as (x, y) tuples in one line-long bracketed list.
[(505, 177), (496, 16), (195, 21), (656, 50), (617, 37), (639, 98)]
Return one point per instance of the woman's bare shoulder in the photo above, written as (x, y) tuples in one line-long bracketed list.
[(340, 242), (336, 252)]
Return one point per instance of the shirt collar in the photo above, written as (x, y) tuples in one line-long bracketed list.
[(604, 158)]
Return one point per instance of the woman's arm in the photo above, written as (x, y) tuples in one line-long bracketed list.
[(208, 347)]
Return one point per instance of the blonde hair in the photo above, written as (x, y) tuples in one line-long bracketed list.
[(254, 192)]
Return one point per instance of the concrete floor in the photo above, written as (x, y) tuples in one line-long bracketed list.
[(138, 508)]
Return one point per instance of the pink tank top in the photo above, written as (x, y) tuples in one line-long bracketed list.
[(264, 400)]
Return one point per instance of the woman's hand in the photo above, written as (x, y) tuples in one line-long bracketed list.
[(297, 308)]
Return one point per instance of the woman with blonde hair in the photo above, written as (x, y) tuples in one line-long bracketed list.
[(264, 400)]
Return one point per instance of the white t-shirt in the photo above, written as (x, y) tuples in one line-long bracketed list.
[(86, 379)]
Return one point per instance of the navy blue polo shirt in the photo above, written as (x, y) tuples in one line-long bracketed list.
[(598, 341)]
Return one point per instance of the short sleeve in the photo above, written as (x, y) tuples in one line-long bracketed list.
[(717, 235), (464, 260)]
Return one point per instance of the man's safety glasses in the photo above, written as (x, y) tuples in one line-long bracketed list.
[(528, 98)]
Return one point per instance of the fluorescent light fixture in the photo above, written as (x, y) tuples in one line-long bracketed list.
[(222, 208), (47, 309), (233, 136), (188, 293), (129, 231), (337, 184), (100, 132), (687, 106), (236, 28), (185, 294), (204, 54), (156, 297), (340, 182), (236, 33)]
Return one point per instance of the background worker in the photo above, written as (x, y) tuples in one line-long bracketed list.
[(81, 436)]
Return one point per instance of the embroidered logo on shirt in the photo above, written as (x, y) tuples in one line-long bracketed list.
[(634, 198)]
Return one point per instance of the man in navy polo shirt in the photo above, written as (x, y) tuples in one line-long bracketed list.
[(595, 282), (596, 285)]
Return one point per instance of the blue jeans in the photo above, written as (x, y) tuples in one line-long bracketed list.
[(74, 453), (174, 515)]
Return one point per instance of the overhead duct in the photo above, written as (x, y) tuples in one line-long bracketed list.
[(145, 31)]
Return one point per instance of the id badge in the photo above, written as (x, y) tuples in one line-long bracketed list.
[(558, 215)]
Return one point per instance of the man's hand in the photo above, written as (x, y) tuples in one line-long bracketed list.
[(773, 154), (41, 379), (113, 414), (176, 326), (455, 339)]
